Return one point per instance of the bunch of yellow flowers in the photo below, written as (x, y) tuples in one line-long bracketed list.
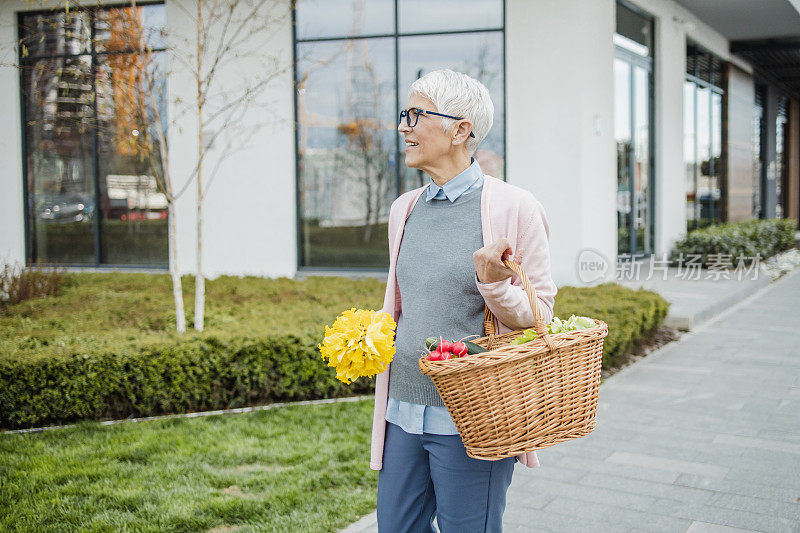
[(360, 344)]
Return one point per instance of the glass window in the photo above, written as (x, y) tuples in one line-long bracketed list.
[(60, 168), (416, 16), (622, 134), (318, 19), (634, 31), (633, 80), (641, 188), (758, 149), (479, 55), (702, 101), (127, 29), (56, 33), (92, 163), (689, 151), (349, 93), (133, 207), (781, 131), (346, 147)]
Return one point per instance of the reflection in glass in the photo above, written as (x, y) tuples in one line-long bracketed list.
[(781, 118), (417, 16), (56, 34), (622, 135), (343, 18), (758, 143), (60, 170), (634, 31), (641, 159), (689, 155), (478, 55), (346, 142), (126, 29), (715, 172), (704, 193), (133, 206), (88, 124)]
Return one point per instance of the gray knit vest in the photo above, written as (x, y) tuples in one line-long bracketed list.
[(436, 278)]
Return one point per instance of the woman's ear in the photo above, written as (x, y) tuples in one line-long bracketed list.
[(461, 132)]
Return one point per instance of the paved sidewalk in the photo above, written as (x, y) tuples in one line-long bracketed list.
[(700, 436), (694, 301)]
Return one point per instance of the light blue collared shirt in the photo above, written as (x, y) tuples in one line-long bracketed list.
[(466, 182), (413, 417)]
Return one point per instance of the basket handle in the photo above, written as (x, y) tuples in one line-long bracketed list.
[(538, 322)]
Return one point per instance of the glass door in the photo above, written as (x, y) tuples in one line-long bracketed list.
[(633, 109), (632, 132)]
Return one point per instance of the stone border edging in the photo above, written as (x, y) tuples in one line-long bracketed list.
[(197, 414)]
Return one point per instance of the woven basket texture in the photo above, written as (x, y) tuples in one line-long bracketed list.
[(514, 399)]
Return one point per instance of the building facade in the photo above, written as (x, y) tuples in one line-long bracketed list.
[(632, 121)]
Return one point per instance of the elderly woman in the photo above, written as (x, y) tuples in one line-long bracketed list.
[(447, 243)]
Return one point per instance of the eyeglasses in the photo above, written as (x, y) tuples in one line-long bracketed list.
[(413, 113)]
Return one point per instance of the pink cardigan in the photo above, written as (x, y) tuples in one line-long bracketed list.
[(506, 211)]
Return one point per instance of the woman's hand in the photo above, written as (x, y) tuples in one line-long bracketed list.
[(489, 264)]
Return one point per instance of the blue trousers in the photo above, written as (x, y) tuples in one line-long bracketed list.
[(431, 475)]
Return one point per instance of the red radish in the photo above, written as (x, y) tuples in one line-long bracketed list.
[(446, 356), (459, 349), (445, 346), (435, 355)]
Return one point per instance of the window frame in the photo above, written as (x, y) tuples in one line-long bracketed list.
[(30, 59), (396, 35), (694, 78)]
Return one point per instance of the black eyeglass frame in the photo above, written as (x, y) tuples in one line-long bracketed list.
[(405, 113)]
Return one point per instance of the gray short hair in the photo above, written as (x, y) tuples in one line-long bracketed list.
[(457, 94)]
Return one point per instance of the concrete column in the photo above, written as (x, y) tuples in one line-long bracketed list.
[(560, 145)]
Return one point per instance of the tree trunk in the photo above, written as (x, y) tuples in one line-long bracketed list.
[(368, 183), (200, 282), (177, 288)]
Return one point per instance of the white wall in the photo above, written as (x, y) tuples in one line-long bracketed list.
[(560, 145), (12, 220), (249, 211)]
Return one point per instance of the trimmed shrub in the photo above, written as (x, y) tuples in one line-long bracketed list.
[(631, 315), (747, 239), (104, 348), (197, 375)]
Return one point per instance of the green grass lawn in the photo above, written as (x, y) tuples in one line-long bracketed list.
[(109, 312), (299, 468)]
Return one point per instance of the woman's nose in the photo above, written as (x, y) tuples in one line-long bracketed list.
[(403, 127)]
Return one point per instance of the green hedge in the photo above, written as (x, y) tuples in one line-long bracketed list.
[(747, 238), (197, 375), (631, 315), (106, 348)]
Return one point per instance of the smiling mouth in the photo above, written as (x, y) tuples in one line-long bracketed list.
[(410, 144)]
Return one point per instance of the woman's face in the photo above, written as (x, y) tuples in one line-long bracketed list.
[(426, 143)]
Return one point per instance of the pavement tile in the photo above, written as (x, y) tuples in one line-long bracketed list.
[(648, 488), (705, 527), (618, 516), (726, 517), (743, 488), (578, 491), (634, 472), (790, 511), (659, 463), (525, 519)]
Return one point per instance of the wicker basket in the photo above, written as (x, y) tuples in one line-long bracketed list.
[(518, 398)]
